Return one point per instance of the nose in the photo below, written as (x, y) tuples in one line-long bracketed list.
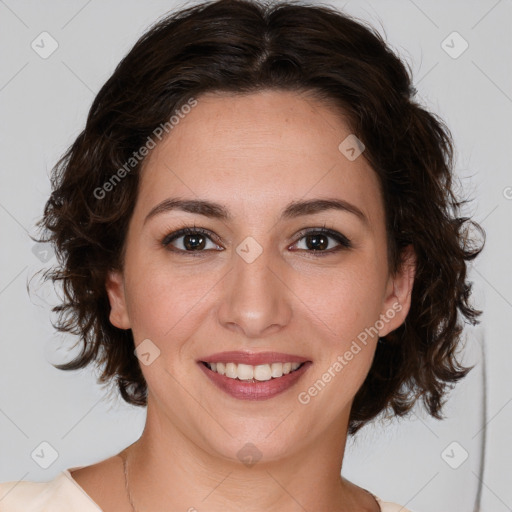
[(256, 300)]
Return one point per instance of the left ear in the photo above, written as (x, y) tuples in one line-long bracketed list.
[(398, 294)]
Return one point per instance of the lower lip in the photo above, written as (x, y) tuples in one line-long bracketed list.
[(255, 390)]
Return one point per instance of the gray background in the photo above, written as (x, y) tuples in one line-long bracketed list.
[(44, 102)]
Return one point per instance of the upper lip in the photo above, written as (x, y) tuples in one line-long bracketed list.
[(253, 358)]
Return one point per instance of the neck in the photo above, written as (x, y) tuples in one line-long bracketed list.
[(165, 466)]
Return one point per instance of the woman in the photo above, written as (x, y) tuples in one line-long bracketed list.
[(259, 208)]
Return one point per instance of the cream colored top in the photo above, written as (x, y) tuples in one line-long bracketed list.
[(63, 494)]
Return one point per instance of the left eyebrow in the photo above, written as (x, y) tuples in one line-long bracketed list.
[(310, 207), (293, 210)]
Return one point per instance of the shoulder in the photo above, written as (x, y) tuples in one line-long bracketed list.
[(374, 503), (388, 506), (59, 495)]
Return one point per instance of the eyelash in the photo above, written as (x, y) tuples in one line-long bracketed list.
[(344, 242)]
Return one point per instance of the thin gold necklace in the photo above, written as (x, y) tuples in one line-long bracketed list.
[(125, 466)]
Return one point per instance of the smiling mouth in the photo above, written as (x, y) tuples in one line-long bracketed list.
[(250, 373)]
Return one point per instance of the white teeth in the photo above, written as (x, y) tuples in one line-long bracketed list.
[(247, 372), (231, 370), (276, 369), (262, 372)]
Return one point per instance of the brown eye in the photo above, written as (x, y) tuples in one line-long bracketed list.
[(321, 241), (189, 240), (317, 241)]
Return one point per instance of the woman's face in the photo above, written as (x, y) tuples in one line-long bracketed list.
[(252, 282)]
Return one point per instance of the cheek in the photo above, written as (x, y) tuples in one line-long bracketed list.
[(162, 302), (343, 301), (343, 306)]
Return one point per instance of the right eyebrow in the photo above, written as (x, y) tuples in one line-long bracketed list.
[(201, 207)]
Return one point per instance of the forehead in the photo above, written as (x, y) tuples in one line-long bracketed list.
[(256, 152)]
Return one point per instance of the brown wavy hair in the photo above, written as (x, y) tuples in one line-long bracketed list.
[(244, 46)]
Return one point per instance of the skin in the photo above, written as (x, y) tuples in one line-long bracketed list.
[(254, 154)]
